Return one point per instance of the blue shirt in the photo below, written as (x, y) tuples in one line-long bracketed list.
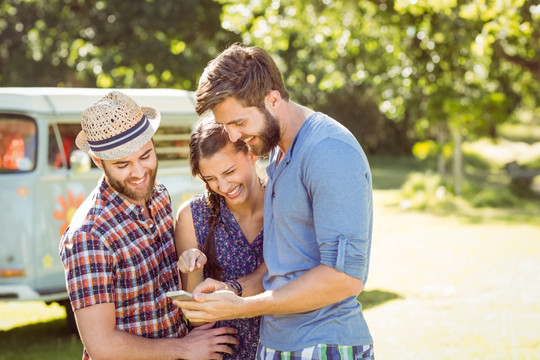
[(318, 210)]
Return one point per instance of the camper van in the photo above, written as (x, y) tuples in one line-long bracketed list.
[(44, 177)]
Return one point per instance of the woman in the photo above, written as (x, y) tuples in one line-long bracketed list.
[(219, 234)]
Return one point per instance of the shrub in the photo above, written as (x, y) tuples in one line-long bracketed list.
[(425, 191), (486, 195), (494, 197), (533, 163), (429, 192), (474, 160), (423, 150)]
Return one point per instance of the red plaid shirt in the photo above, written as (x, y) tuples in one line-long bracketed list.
[(112, 254)]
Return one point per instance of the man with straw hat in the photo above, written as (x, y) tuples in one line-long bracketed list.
[(118, 252)]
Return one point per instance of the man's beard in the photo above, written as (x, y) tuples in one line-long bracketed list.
[(269, 137), (126, 190)]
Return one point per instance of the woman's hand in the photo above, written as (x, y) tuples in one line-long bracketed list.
[(191, 260)]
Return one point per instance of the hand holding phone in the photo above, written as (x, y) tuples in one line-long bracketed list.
[(180, 295)]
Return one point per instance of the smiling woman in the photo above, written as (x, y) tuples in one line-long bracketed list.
[(219, 234)]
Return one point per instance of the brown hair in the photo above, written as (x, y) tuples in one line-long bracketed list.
[(247, 74), (208, 138)]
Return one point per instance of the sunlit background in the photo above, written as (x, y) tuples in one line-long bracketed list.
[(444, 96)]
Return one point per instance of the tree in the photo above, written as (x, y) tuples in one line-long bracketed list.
[(97, 43), (440, 69), (394, 71)]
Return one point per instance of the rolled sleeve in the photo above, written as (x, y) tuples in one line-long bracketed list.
[(346, 255)]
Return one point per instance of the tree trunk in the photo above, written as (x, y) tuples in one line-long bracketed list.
[(441, 140), (457, 162)]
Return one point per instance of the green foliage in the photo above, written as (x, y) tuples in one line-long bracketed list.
[(372, 298), (390, 172), (425, 191), (423, 150), (533, 163), (467, 65), (358, 111), (394, 71), (489, 195), (527, 133), (475, 161), (117, 43)]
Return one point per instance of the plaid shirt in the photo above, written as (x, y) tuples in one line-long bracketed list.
[(112, 254)]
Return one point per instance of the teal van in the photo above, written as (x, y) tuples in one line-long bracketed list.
[(44, 177)]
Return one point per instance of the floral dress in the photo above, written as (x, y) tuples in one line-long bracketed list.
[(238, 258)]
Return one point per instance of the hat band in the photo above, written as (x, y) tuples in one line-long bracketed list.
[(122, 138)]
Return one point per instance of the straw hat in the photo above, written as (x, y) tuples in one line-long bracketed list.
[(115, 127)]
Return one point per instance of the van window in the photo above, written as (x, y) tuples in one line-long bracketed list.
[(172, 143), (18, 142), (62, 143)]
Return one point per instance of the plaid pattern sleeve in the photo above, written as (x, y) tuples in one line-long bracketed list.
[(89, 271), (113, 254)]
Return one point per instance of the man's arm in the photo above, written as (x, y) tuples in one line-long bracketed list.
[(317, 288), (252, 284), (103, 341)]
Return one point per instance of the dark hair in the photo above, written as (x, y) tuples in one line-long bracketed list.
[(208, 138), (247, 74)]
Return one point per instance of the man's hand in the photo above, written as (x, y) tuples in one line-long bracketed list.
[(209, 285), (219, 305), (191, 260), (204, 342)]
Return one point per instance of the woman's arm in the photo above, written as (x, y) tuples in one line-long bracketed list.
[(186, 240)]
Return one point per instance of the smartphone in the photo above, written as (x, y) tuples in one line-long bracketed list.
[(179, 295)]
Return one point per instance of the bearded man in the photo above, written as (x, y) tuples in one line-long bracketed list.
[(118, 252), (318, 216)]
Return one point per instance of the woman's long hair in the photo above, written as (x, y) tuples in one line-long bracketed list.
[(208, 138)]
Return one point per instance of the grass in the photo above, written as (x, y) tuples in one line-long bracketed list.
[(487, 194), (391, 172), (34, 330), (520, 132), (372, 298), (466, 290)]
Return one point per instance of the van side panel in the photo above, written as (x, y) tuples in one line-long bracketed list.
[(16, 236), (39, 192), (60, 194)]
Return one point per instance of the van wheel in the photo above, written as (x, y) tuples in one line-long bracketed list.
[(70, 317)]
